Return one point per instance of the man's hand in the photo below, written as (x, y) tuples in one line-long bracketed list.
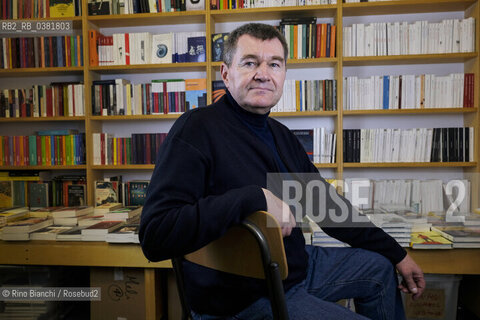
[(280, 211), (413, 281)]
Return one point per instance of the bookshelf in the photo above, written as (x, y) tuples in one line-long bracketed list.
[(214, 21)]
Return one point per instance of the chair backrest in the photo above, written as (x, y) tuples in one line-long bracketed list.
[(238, 252)]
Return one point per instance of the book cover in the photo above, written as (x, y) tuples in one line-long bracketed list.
[(458, 233), (124, 234), (26, 225), (106, 192), (305, 137), (49, 233), (138, 191), (103, 227), (107, 207), (74, 234), (429, 240), (67, 212), (76, 194), (62, 8), (218, 90), (196, 49), (192, 5), (38, 195), (162, 48), (98, 7), (195, 93), (6, 194), (218, 40)]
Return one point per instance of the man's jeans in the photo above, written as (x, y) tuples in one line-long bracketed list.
[(334, 274)]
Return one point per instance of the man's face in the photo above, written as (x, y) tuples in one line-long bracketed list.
[(255, 78)]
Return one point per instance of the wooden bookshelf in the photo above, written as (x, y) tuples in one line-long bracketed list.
[(103, 254), (466, 261)]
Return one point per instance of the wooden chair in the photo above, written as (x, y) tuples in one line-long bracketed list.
[(252, 249)]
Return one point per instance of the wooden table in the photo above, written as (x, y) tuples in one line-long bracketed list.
[(102, 254)]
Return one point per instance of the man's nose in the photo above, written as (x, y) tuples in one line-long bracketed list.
[(262, 72)]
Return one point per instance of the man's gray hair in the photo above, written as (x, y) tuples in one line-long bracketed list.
[(257, 30)]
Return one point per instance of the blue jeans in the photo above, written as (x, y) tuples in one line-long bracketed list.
[(334, 274)]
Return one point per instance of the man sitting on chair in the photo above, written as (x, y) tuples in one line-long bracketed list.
[(211, 172)]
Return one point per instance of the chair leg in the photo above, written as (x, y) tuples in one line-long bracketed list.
[(272, 273), (277, 296), (178, 269)]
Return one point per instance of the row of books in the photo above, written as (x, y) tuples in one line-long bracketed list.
[(60, 191), (114, 189), (307, 95), (48, 223), (319, 145), (23, 9), (419, 196), (239, 4), (432, 231), (96, 7), (41, 52), (56, 99), (307, 39), (455, 90), (409, 145), (402, 38), (140, 148), (146, 48), (120, 97), (45, 150)]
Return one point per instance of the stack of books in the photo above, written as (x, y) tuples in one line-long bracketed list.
[(20, 230), (394, 225)]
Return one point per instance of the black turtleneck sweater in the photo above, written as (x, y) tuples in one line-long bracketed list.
[(209, 176)]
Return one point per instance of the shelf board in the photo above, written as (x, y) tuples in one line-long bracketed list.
[(409, 164), (42, 119), (138, 117), (404, 6), (300, 63), (76, 253), (409, 59), (147, 19), (150, 68), (273, 13), (124, 167), (39, 72), (326, 165), (74, 167), (408, 111), (305, 114), (77, 21)]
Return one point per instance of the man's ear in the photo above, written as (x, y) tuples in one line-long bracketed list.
[(224, 73)]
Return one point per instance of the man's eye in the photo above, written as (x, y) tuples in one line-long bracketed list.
[(275, 65), (249, 64)]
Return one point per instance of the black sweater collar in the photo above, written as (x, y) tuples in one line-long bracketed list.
[(256, 120)]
